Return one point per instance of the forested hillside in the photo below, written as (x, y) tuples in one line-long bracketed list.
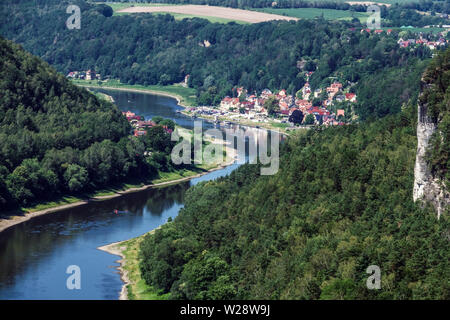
[(57, 138), (149, 49), (341, 201)]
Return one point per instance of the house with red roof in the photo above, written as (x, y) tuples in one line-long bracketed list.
[(248, 105), (228, 103), (131, 116), (350, 97), (318, 111), (333, 89), (283, 105), (303, 104), (145, 124)]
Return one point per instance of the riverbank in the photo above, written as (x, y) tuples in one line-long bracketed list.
[(133, 284), (17, 219), (281, 128), (116, 249), (185, 96), (104, 96), (134, 287)]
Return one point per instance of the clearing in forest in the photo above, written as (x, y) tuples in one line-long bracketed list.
[(210, 12)]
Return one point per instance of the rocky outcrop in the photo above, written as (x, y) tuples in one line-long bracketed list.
[(426, 187)]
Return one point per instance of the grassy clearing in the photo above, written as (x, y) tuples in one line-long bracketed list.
[(137, 289), (187, 96), (311, 13), (424, 30), (51, 204), (171, 176), (281, 125), (102, 96)]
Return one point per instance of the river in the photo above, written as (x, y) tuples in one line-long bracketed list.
[(35, 255)]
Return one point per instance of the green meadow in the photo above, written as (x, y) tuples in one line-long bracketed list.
[(311, 13)]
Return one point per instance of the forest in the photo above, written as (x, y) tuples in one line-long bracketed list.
[(58, 139), (341, 201), (157, 49)]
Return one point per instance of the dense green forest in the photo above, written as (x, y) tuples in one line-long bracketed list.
[(149, 49), (57, 138), (341, 201)]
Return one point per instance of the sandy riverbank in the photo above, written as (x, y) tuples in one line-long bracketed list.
[(126, 274), (116, 249)]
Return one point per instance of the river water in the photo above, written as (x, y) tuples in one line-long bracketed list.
[(35, 255)]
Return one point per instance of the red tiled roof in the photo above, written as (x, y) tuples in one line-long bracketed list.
[(349, 96), (146, 123)]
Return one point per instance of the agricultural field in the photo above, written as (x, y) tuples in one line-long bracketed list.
[(214, 14)]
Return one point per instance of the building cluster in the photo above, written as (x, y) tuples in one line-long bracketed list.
[(435, 41), (422, 41), (84, 75), (140, 125), (253, 106)]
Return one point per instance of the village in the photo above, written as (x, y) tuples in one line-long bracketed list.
[(328, 106)]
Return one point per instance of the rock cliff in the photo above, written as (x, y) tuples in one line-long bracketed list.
[(427, 187)]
